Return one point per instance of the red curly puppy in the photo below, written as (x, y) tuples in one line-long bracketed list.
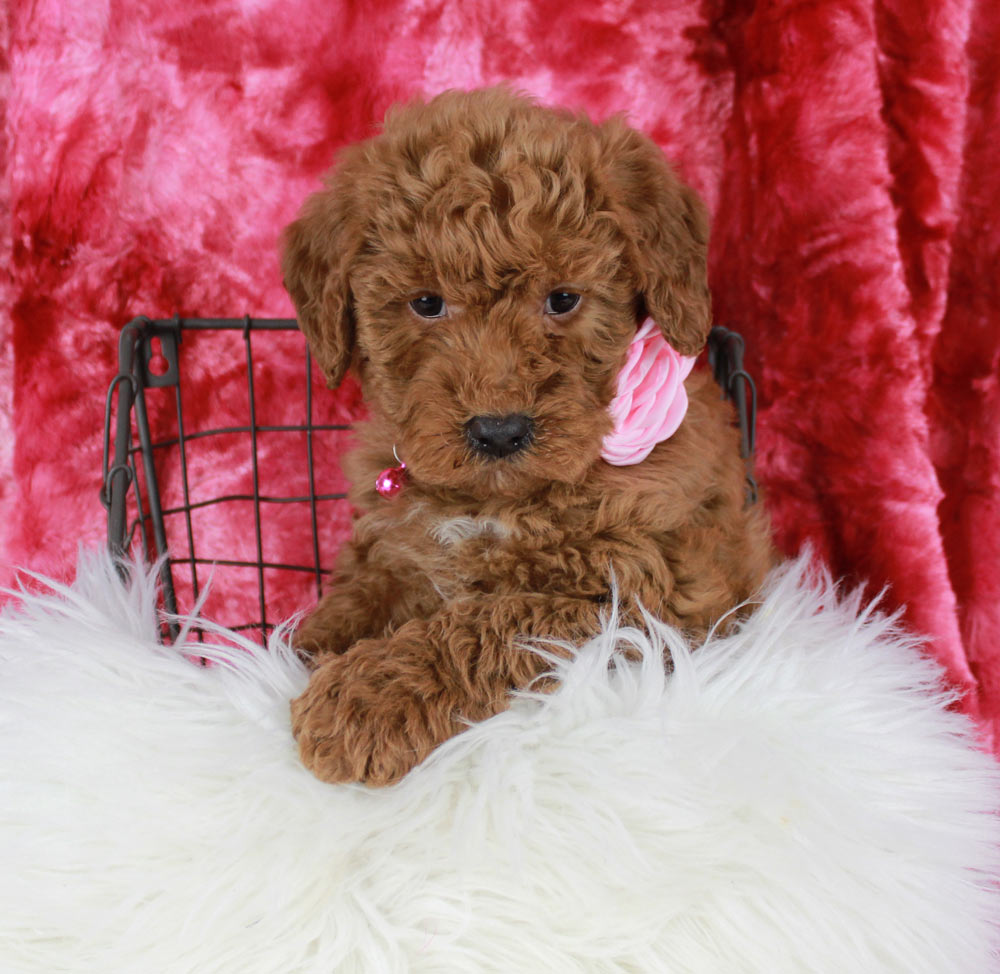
[(483, 265)]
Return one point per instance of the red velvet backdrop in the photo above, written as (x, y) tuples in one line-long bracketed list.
[(846, 148)]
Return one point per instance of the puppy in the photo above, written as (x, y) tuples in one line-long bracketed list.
[(483, 265)]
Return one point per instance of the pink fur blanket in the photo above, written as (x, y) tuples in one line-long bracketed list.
[(847, 149)]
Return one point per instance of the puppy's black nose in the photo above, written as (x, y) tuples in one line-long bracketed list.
[(499, 436)]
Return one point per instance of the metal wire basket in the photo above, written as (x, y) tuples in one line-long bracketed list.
[(139, 467), (141, 519)]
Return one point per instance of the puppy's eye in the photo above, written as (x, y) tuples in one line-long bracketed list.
[(429, 306), (560, 302)]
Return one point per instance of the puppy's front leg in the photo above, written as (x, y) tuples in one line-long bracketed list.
[(373, 713), (358, 603)]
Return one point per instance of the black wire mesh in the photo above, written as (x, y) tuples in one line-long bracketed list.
[(151, 363)]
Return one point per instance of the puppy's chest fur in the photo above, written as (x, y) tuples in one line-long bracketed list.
[(467, 552)]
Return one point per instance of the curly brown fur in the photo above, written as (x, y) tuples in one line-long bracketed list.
[(492, 203)]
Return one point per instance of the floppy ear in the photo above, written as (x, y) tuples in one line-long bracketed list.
[(667, 229), (317, 252)]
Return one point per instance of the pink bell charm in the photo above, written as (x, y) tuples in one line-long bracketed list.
[(391, 480)]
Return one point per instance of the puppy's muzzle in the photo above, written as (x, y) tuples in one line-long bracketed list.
[(499, 436)]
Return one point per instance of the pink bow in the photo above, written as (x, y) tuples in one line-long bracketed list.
[(651, 399)]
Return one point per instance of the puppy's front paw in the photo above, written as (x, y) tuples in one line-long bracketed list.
[(363, 717)]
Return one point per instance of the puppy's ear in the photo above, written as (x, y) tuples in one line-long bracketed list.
[(667, 229), (317, 252)]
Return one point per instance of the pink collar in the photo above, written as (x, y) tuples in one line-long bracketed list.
[(651, 399)]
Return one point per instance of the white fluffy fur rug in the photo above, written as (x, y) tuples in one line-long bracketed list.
[(795, 797)]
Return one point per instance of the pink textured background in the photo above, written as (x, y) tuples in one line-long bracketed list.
[(846, 148)]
